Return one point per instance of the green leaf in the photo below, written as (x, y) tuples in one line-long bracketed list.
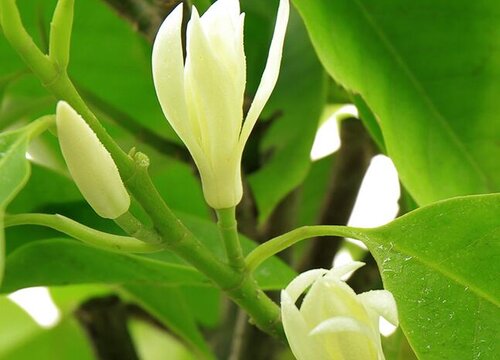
[(430, 73), (14, 173), (44, 190), (152, 343), (296, 106), (441, 262), (21, 337), (14, 167), (63, 261), (168, 305)]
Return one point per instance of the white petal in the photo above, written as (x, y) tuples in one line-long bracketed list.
[(347, 338), (168, 74), (342, 324), (383, 303), (271, 72), (297, 330), (298, 285), (214, 100), (331, 298), (338, 272), (220, 13), (222, 27)]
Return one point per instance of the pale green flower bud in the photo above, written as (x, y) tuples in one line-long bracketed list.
[(90, 164), (333, 323), (203, 97)]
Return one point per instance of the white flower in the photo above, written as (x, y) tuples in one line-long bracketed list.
[(203, 97), (333, 323), (90, 164)]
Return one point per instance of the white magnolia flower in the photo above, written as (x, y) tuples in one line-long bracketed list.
[(90, 164), (333, 323), (202, 97)]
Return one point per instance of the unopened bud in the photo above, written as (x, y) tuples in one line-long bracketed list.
[(90, 164)]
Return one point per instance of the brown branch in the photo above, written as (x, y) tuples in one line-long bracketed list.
[(348, 171)]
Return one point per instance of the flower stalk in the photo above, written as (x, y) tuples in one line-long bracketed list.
[(228, 229)]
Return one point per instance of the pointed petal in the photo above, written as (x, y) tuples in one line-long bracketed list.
[(331, 298), (338, 272), (271, 72), (298, 285), (215, 102), (383, 303), (221, 10), (297, 330), (168, 74)]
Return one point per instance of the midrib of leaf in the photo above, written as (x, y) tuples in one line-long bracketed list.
[(396, 248), (462, 147)]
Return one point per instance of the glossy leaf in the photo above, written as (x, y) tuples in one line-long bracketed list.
[(430, 73), (441, 264)]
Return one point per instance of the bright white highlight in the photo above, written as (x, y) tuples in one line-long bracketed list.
[(38, 303), (327, 139), (386, 328), (377, 201)]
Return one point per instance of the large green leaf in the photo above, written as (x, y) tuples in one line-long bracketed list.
[(64, 261), (430, 72), (441, 262)]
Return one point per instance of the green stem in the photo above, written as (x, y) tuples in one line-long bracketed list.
[(228, 229), (19, 38), (137, 229), (280, 243), (238, 285), (40, 125), (60, 33), (83, 233)]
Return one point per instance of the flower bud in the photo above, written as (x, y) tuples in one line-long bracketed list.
[(90, 164), (333, 323), (203, 97)]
